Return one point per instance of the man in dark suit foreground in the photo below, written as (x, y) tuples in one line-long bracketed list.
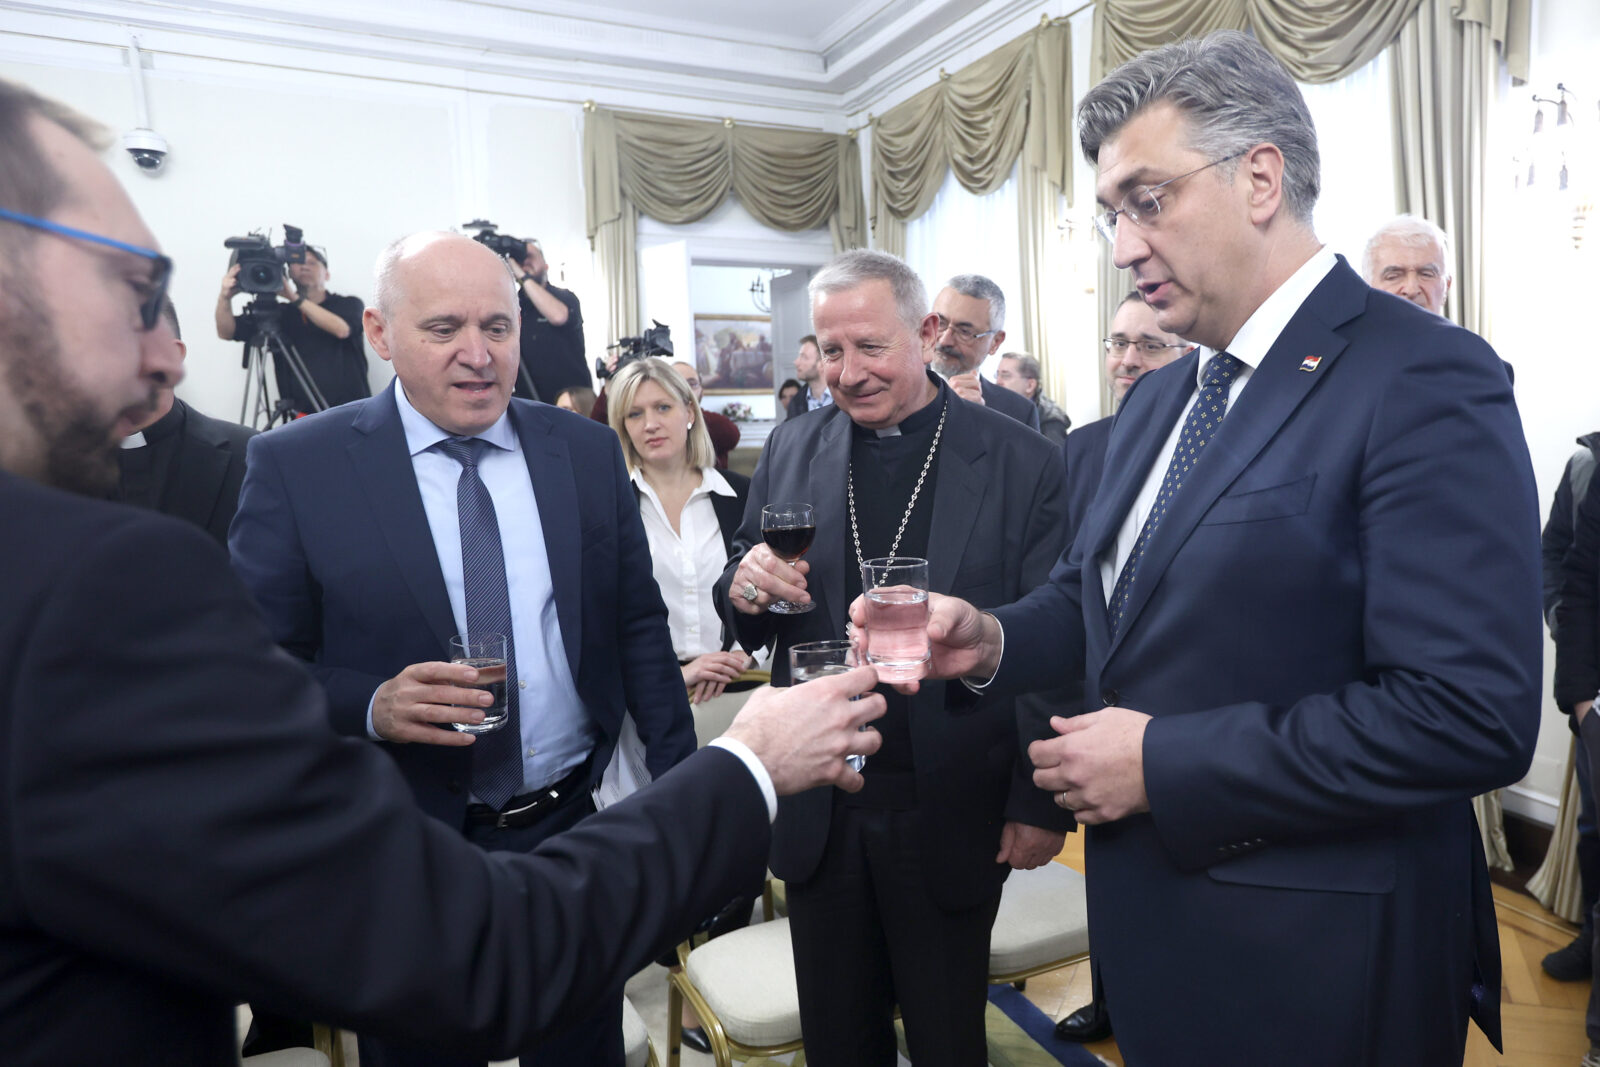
[(1310, 636), (905, 877), (182, 830)]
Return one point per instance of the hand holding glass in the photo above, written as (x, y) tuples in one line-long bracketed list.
[(487, 652), (818, 659), (896, 589), (788, 530)]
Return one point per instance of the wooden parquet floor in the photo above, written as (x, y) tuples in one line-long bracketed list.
[(1542, 1018)]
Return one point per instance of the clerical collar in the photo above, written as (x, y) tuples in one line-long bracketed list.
[(164, 427), (919, 421)]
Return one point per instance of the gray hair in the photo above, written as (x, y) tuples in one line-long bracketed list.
[(980, 288), (1234, 96), (1027, 366), (1409, 230), (852, 269)]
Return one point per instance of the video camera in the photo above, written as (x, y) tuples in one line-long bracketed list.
[(656, 341), (261, 266), (501, 244)]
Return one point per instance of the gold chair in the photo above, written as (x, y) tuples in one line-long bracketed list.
[(742, 987)]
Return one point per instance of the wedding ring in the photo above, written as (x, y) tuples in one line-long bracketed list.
[(750, 592), (1061, 801)]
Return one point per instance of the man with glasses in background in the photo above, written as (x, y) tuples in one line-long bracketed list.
[(1304, 604), (971, 316)]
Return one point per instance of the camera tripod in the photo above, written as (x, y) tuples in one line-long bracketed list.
[(269, 340)]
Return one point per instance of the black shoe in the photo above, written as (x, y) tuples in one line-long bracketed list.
[(695, 1037), (1571, 964), (1092, 1022)]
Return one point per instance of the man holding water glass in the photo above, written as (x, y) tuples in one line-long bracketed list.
[(375, 532), (905, 876)]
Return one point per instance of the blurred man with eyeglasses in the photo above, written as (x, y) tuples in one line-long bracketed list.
[(1019, 372), (970, 313), (1304, 606), (324, 327), (1410, 257)]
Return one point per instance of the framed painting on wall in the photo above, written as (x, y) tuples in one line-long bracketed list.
[(733, 353)]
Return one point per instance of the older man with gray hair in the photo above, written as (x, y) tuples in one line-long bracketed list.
[(906, 877), (970, 312), (1411, 258)]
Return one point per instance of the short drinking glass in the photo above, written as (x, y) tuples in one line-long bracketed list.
[(897, 616), (811, 660), (487, 652)]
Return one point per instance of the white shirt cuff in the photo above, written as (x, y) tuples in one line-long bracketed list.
[(977, 686), (758, 771), (372, 731)]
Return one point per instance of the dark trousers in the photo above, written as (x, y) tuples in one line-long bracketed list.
[(867, 936), (595, 1040), (1589, 752)]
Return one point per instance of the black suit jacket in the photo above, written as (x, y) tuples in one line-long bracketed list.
[(332, 539), (207, 469), (182, 832), (997, 528), (1336, 628), (1006, 402)]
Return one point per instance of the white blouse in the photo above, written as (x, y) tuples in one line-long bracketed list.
[(687, 562)]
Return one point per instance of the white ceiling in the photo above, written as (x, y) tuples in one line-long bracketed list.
[(804, 23)]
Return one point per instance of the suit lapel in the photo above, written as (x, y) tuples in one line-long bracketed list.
[(957, 496), (382, 463), (1274, 390), (555, 488), (198, 470), (830, 466)]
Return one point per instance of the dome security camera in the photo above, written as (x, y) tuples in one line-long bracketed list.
[(148, 149)]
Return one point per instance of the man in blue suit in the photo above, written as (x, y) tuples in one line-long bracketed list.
[(1305, 602), (355, 537)]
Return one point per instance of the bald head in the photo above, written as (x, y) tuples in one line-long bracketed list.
[(446, 316)]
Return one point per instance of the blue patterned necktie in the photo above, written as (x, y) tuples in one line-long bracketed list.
[(496, 756), (1198, 428)]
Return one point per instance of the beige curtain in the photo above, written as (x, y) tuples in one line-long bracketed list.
[(976, 123), (1320, 42), (1556, 884), (680, 170), (1013, 104), (1446, 64)]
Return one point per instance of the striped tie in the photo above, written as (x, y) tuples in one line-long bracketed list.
[(496, 756), (1198, 428)]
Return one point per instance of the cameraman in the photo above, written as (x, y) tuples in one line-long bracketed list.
[(552, 330), (323, 327)]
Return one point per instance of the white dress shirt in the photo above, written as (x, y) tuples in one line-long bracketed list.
[(557, 731), (687, 562), (1249, 346)]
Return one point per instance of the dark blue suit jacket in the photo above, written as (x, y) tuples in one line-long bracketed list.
[(1337, 631), (332, 539), (183, 832), (1006, 402)]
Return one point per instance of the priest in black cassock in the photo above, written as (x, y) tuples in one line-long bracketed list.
[(183, 463), (903, 879)]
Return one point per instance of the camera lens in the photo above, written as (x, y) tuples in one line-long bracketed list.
[(260, 277)]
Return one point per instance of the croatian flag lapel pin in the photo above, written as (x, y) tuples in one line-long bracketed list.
[(1310, 363)]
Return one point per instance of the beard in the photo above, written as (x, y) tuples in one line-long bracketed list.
[(79, 451), (947, 361)]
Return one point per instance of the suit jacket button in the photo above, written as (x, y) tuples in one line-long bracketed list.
[(1111, 698)]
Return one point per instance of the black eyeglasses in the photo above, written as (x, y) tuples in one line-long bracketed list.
[(1142, 205), (1120, 345), (966, 333), (152, 293)]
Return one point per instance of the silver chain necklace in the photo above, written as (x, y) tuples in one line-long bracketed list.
[(850, 482)]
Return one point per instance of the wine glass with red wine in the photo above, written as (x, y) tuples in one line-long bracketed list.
[(788, 530)]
